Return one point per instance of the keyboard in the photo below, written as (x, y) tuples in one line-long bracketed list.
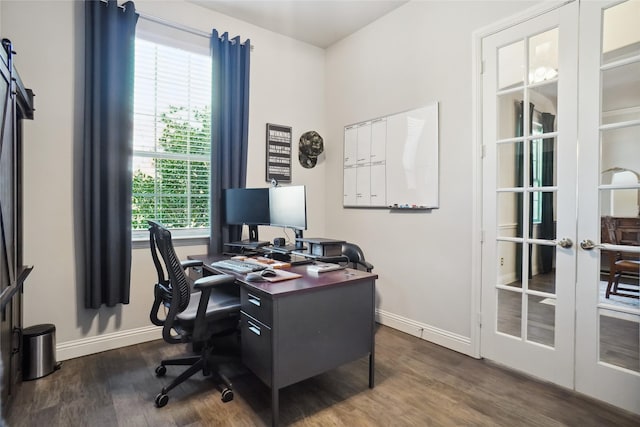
[(238, 266)]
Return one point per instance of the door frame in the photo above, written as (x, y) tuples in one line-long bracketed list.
[(477, 150)]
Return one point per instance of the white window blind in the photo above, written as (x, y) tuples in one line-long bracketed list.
[(172, 134)]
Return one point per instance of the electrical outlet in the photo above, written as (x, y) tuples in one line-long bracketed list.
[(502, 261)]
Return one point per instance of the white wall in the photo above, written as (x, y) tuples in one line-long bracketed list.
[(418, 54), (287, 87)]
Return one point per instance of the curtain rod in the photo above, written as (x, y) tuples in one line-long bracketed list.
[(181, 27), (172, 24)]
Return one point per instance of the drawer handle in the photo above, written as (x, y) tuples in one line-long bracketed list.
[(254, 328), (254, 300)]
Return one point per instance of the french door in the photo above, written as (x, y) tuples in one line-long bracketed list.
[(608, 326), (549, 130)]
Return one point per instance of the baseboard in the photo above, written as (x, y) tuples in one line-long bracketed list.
[(105, 342), (97, 344), (429, 333), (507, 278)]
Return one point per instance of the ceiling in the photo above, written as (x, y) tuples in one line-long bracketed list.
[(317, 22)]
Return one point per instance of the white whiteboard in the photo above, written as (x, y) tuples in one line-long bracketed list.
[(393, 161)]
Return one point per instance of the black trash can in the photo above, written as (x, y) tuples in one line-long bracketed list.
[(39, 347)]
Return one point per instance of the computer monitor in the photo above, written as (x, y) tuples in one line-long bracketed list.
[(248, 206), (288, 208)]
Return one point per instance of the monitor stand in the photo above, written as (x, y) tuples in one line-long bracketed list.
[(253, 233), (252, 242), (299, 243)]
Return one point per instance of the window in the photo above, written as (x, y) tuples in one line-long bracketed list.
[(172, 136)]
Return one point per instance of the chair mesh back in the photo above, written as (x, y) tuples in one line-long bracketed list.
[(177, 281)]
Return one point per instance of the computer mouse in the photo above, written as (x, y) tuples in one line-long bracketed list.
[(254, 277), (268, 273)]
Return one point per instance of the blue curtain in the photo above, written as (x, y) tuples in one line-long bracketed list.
[(104, 206), (229, 129)]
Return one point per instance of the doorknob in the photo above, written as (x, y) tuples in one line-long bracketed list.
[(565, 243), (589, 245)]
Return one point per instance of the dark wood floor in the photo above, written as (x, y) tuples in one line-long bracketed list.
[(417, 384)]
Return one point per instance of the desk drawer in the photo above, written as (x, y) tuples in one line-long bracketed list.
[(257, 305), (256, 347)]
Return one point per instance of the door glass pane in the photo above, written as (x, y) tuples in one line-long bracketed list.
[(509, 264), (545, 102), (509, 312), (543, 162), (541, 320), (620, 167), (510, 172), (543, 56), (509, 115), (507, 214), (619, 339), (543, 269), (620, 203), (543, 214), (620, 31), (620, 155), (621, 89), (511, 65)]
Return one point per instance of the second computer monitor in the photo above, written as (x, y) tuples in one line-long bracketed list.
[(288, 207)]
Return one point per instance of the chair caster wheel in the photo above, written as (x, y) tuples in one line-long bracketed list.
[(161, 400), (161, 371), (227, 395)]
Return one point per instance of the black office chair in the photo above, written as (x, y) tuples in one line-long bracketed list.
[(198, 316), (353, 256)]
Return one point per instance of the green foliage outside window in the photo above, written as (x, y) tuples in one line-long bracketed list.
[(178, 194)]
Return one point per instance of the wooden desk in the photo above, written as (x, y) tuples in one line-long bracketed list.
[(296, 329)]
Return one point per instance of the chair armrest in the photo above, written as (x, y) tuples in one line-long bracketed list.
[(190, 263), (207, 282), (204, 285), (367, 265)]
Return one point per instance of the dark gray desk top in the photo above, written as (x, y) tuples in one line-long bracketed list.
[(308, 282)]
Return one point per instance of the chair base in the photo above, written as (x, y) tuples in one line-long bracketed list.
[(201, 363)]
